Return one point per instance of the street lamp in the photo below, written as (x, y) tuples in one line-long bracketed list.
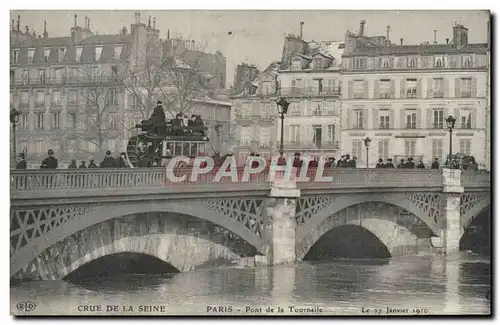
[(450, 123), (367, 141), (283, 103), (14, 118)]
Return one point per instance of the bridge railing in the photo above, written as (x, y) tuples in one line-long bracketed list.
[(475, 179)]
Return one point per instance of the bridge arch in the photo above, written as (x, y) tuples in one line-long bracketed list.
[(472, 204), (394, 233), (96, 214)]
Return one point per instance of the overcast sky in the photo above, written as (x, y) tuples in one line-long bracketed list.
[(257, 36)]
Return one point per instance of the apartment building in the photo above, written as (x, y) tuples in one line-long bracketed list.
[(399, 96), (310, 79), (74, 92), (254, 110)]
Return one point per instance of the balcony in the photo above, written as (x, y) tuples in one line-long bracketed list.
[(410, 126), (438, 94), (310, 91), (465, 94), (437, 126), (384, 95), (411, 93), (65, 81)]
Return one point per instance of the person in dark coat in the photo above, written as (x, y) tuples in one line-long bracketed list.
[(50, 162), (380, 164), (92, 164), (410, 164), (108, 161), (158, 117), (21, 164), (435, 164), (73, 164), (353, 162), (121, 161), (389, 164), (402, 164), (341, 162), (82, 164), (420, 164)]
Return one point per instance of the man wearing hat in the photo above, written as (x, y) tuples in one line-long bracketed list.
[(389, 163), (50, 162), (108, 161), (121, 161), (341, 161), (21, 164), (410, 163), (380, 164), (158, 117)]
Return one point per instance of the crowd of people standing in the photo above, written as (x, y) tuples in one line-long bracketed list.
[(51, 162)]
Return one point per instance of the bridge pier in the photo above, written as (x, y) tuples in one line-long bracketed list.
[(450, 233)]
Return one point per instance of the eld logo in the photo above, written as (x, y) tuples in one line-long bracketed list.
[(26, 306)]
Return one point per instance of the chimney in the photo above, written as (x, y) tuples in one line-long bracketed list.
[(18, 23), (88, 23), (154, 22), (447, 41), (193, 45), (168, 34), (460, 35), (401, 40), (301, 29), (362, 28), (27, 30), (149, 22), (13, 24), (75, 18), (45, 34), (138, 17), (435, 36), (388, 31)]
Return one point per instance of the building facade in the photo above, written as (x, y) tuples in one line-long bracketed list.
[(399, 97), (74, 92), (310, 79)]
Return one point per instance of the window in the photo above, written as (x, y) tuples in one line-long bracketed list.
[(23, 121), (438, 119), (359, 63), (72, 121), (297, 86), (359, 88), (245, 109), (265, 137), (438, 87), (318, 86), (266, 88), (411, 88), (12, 76), (73, 74), (55, 145), (318, 63), (98, 51), (56, 118), (71, 146), (113, 97), (386, 63), (358, 122), (295, 109), (410, 146), (11, 98), (112, 120), (24, 97), (296, 64), (46, 54), (245, 135), (118, 51), (26, 77), (15, 56), (79, 51), (59, 74), (385, 88), (31, 54), (56, 97), (465, 146), (295, 134), (357, 148), (39, 121), (40, 98), (43, 76), (438, 62), (317, 135), (62, 54), (411, 119), (437, 149), (412, 62), (39, 147), (331, 133), (92, 147), (466, 61), (384, 119), (72, 96), (383, 149), (114, 70), (465, 87), (111, 144), (465, 119)]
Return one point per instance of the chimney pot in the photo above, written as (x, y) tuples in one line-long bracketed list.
[(154, 22), (401, 40), (435, 36), (447, 41), (301, 29), (18, 23), (13, 24), (27, 30)]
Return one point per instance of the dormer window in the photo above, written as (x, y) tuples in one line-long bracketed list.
[(318, 63), (118, 51), (467, 61), (359, 63), (98, 51), (412, 62), (79, 51), (439, 62), (46, 54), (15, 57), (296, 64), (31, 54), (62, 54), (386, 63)]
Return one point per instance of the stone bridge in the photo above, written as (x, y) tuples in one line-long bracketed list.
[(63, 219)]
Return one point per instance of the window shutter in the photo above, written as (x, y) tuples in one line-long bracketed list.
[(350, 119), (419, 119), (393, 88), (457, 87), (376, 89), (419, 88), (375, 119), (430, 118), (473, 87), (457, 116), (402, 88), (365, 119), (365, 89), (350, 89), (429, 87), (446, 88), (402, 119), (380, 148), (391, 118), (287, 135)]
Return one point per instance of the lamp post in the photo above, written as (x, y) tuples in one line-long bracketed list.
[(450, 123), (283, 103), (14, 118), (367, 141)]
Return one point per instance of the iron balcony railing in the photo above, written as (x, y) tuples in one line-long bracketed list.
[(310, 91)]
